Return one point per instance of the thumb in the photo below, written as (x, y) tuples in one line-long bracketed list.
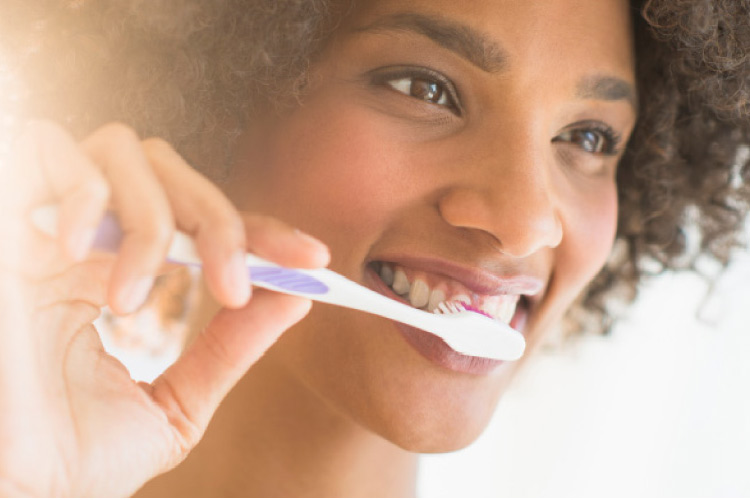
[(190, 390)]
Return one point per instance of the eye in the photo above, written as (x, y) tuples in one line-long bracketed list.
[(420, 83), (591, 137), (422, 88)]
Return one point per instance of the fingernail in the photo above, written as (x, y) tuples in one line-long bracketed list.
[(236, 278), (324, 254), (135, 294), (307, 238)]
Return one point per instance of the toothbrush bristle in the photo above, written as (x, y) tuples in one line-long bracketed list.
[(469, 307), (453, 307)]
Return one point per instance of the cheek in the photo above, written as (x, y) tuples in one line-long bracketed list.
[(593, 230), (331, 174), (590, 225)]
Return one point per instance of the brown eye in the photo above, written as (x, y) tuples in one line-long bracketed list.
[(589, 140), (595, 138), (426, 90)]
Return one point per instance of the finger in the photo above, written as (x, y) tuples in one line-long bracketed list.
[(18, 356), (28, 252), (202, 211), (48, 167), (277, 241), (142, 209), (21, 176), (15, 311), (82, 282), (75, 183), (191, 389)]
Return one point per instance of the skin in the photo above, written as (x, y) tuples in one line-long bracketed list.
[(501, 187), (338, 405), (73, 422)]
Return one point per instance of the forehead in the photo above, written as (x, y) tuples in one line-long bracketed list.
[(550, 35)]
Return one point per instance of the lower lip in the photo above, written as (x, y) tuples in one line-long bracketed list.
[(434, 348)]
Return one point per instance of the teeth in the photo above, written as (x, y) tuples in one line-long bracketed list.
[(400, 283), (461, 298), (419, 294), (491, 306), (507, 310), (436, 297), (386, 274)]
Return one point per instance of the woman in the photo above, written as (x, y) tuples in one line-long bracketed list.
[(437, 149)]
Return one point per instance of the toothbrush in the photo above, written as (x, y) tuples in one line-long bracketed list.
[(467, 332)]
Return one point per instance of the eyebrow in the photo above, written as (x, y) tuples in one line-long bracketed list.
[(465, 41), (486, 54), (607, 88)]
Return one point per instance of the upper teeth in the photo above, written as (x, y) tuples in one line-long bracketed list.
[(420, 295), (400, 283)]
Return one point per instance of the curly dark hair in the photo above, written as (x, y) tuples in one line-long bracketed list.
[(194, 72)]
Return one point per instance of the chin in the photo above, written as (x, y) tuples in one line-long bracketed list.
[(438, 439), (374, 380), (430, 425)]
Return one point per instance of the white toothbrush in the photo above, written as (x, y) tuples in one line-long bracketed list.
[(466, 332)]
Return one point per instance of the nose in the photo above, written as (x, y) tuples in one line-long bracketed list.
[(509, 197)]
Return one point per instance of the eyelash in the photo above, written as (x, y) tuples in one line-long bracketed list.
[(407, 75), (611, 138)]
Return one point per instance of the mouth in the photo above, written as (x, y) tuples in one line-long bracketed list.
[(505, 300), (430, 292)]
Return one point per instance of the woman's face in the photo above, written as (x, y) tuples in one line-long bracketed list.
[(470, 149)]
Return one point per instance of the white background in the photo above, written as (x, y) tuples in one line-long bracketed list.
[(660, 408)]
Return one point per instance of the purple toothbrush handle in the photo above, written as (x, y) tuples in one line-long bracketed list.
[(109, 237), (286, 279), (109, 234)]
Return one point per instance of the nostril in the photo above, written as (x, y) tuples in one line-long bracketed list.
[(536, 234), (465, 208), (520, 222)]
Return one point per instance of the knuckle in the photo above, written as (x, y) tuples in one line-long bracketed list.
[(229, 223), (154, 230), (160, 231), (184, 423), (266, 223), (96, 188), (119, 132), (157, 145)]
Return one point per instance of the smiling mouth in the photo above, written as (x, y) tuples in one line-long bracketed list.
[(432, 293)]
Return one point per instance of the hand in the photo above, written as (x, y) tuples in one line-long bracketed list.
[(72, 422)]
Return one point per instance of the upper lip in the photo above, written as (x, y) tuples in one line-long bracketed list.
[(482, 280)]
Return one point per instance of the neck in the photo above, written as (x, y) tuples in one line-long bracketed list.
[(273, 437)]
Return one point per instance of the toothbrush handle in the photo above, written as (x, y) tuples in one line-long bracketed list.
[(322, 285), (182, 251)]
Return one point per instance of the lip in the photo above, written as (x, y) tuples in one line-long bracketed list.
[(479, 281), (435, 349)]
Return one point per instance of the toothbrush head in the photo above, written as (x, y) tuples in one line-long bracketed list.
[(469, 307), (473, 332), (455, 307)]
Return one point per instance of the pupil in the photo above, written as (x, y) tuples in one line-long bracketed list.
[(426, 90), (590, 141)]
